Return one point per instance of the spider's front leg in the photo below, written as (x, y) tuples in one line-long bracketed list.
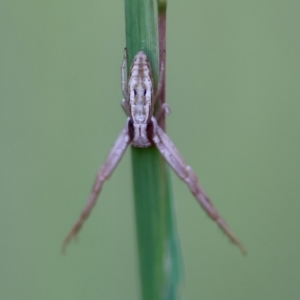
[(124, 76), (185, 173), (161, 77), (162, 109), (104, 173), (124, 102)]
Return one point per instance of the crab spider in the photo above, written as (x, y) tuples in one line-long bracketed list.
[(142, 130)]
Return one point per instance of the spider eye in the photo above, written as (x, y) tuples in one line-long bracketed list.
[(134, 90), (145, 92)]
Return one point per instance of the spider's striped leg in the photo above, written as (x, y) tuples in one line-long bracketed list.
[(104, 173), (185, 173)]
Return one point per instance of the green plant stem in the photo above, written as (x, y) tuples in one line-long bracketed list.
[(156, 233)]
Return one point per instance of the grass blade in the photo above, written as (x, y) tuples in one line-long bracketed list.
[(156, 232)]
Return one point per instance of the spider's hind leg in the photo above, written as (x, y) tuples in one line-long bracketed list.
[(186, 174), (104, 173)]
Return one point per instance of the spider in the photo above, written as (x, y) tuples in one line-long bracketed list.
[(142, 130)]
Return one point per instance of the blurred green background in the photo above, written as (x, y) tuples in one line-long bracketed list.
[(233, 70)]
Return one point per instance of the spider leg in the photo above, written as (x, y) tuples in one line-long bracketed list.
[(160, 78), (159, 85), (162, 111), (124, 76), (103, 174), (185, 173), (125, 107)]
